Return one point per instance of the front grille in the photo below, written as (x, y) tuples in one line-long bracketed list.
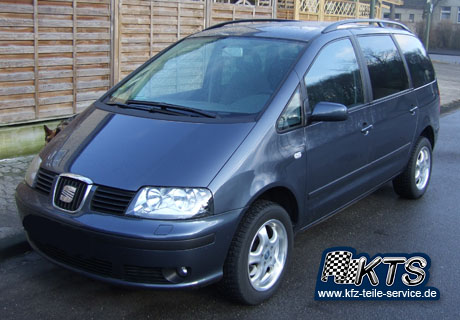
[(110, 200), (69, 193), (44, 180), (144, 274), (93, 265)]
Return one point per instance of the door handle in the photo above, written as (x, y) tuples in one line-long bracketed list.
[(412, 111), (366, 129)]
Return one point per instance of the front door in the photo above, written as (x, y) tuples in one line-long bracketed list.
[(337, 152)]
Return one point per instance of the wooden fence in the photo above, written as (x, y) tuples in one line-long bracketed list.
[(58, 56), (147, 27), (54, 57)]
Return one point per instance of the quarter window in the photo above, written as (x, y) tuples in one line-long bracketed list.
[(292, 114), (385, 65), (420, 66), (334, 76)]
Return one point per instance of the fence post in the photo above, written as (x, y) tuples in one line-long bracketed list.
[(36, 84), (274, 9), (115, 45), (74, 57), (357, 5), (297, 10), (321, 10), (208, 13)]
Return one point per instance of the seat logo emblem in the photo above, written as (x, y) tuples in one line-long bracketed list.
[(67, 194)]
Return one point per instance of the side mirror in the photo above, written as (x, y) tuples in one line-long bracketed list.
[(329, 111)]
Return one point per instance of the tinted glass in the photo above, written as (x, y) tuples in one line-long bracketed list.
[(292, 114), (230, 76), (385, 65), (420, 66), (334, 76)]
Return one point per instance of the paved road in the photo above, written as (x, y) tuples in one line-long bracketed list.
[(445, 58), (448, 74), (30, 287)]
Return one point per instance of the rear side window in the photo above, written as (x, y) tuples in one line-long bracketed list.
[(385, 65), (420, 66), (334, 76)]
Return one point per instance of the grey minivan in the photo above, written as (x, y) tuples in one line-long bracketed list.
[(203, 163)]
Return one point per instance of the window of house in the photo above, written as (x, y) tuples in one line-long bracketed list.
[(397, 16), (334, 76), (385, 65), (411, 17), (386, 15), (445, 13), (458, 15)]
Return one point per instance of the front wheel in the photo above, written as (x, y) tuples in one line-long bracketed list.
[(259, 254), (413, 181)]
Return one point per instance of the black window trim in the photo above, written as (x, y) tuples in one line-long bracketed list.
[(403, 57)]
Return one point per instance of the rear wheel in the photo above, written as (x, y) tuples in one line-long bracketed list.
[(413, 181), (259, 254)]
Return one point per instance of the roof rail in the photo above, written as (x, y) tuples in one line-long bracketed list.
[(379, 22), (247, 20)]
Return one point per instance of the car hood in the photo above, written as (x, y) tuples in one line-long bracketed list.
[(128, 152)]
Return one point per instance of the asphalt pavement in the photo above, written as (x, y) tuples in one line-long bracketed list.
[(31, 287)]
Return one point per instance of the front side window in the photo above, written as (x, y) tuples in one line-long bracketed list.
[(292, 114), (420, 66), (386, 68), (230, 76), (445, 13), (334, 76)]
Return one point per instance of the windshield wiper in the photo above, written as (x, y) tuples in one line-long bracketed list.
[(139, 107), (165, 106)]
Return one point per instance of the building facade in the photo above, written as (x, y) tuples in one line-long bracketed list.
[(412, 11)]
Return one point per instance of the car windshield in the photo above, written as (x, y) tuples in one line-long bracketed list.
[(231, 76)]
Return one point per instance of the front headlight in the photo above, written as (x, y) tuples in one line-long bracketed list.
[(31, 172), (171, 203)]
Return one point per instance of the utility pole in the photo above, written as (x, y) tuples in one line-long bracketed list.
[(372, 11), (429, 14)]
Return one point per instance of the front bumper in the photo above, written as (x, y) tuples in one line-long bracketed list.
[(125, 250)]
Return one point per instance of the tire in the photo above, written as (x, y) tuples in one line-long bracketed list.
[(253, 283), (413, 181)]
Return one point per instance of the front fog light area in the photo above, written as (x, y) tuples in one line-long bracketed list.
[(31, 172), (171, 203)]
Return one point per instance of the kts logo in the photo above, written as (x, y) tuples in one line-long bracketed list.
[(345, 276)]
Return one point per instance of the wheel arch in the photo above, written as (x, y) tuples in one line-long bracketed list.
[(283, 196), (428, 133)]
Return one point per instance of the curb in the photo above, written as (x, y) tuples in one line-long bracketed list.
[(450, 107), (17, 244), (13, 246)]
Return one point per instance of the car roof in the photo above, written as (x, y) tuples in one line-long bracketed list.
[(292, 29)]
